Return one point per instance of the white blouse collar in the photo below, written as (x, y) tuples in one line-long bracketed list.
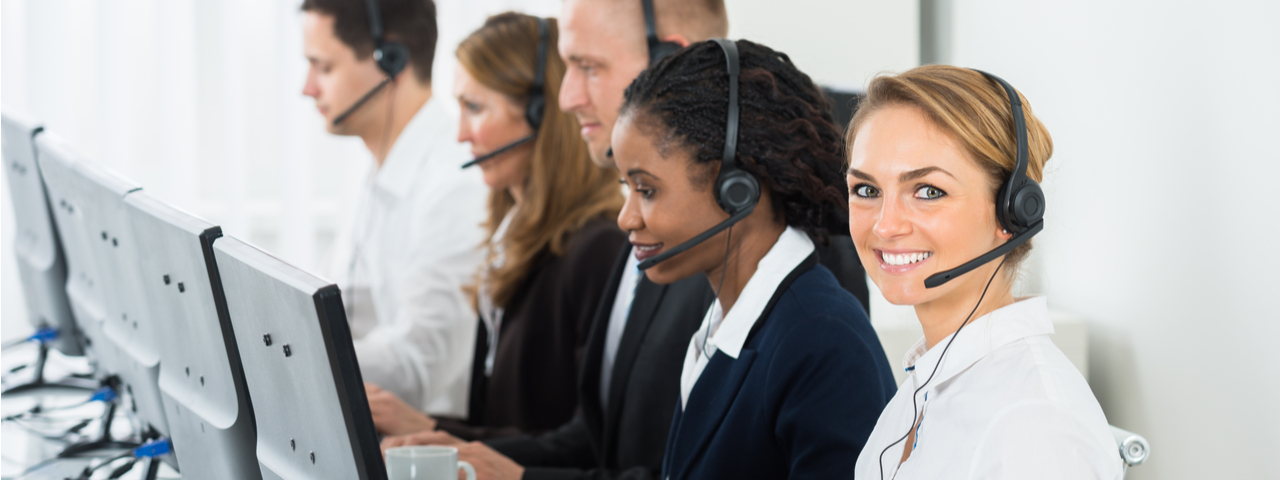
[(1016, 321), (792, 247)]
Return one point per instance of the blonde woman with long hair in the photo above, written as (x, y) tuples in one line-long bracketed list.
[(551, 243)]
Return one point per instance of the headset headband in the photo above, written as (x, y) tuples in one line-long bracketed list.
[(1019, 176), (731, 128)]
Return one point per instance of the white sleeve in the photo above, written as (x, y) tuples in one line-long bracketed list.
[(423, 355), (1039, 439)]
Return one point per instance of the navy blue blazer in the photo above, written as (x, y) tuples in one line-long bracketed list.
[(799, 401)]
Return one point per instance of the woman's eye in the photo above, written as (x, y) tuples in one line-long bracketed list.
[(472, 107), (866, 191), (929, 192)]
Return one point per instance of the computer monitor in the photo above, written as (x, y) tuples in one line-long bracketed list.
[(844, 103), (308, 397), (92, 201), (41, 265), (206, 400)]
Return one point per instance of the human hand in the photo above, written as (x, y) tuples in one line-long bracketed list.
[(421, 438), (391, 416), (489, 464)]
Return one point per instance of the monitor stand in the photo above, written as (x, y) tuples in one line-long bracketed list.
[(39, 382)]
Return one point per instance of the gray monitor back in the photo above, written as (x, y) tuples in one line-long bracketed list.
[(40, 260), (201, 379), (308, 397), (83, 289), (96, 196)]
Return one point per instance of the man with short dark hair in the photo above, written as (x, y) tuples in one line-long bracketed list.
[(413, 245)]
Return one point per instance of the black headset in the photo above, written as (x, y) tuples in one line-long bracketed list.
[(737, 191), (657, 48), (536, 109), (391, 58), (1020, 210), (1019, 204)]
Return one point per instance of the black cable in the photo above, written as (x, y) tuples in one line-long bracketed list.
[(88, 471), (724, 268), (123, 469), (942, 355)]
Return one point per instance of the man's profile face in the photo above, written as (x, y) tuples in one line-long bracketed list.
[(335, 79), (604, 48)]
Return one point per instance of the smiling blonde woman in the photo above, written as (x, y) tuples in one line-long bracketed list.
[(928, 152)]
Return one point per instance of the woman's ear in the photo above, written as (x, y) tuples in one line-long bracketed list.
[(1003, 234)]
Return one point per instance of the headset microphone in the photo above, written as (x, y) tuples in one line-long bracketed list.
[(1020, 203), (391, 58), (505, 148), (737, 191), (535, 110)]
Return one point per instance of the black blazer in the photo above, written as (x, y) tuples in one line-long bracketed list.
[(798, 402), (628, 440), (545, 327)]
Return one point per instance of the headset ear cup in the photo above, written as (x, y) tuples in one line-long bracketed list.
[(533, 113), (392, 57), (1027, 205), (661, 50), (737, 190)]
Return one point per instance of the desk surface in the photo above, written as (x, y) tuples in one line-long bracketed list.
[(25, 453)]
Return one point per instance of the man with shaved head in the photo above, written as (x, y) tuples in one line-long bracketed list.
[(630, 378)]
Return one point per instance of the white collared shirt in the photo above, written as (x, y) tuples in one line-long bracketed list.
[(728, 333), (1005, 404), (622, 301), (415, 243)]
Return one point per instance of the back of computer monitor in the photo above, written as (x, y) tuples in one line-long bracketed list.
[(41, 265), (83, 287), (94, 198), (308, 397), (844, 104), (205, 398)]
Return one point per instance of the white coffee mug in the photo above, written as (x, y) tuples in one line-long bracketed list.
[(426, 462)]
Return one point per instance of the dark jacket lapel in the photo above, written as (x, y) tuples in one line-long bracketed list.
[(648, 297), (716, 388), (589, 379), (709, 402)]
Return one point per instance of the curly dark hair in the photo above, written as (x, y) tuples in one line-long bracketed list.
[(786, 135)]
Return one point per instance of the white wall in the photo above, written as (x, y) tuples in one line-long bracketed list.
[(1160, 219), (840, 43), (200, 101)]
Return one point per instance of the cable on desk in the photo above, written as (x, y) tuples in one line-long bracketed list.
[(104, 394)]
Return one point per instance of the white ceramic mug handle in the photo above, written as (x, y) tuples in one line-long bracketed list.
[(471, 471)]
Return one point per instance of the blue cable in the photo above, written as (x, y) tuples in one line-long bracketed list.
[(154, 448), (44, 335)]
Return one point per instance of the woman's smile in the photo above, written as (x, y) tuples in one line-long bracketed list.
[(901, 261), (646, 250)]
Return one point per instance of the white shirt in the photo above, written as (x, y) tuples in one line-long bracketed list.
[(490, 313), (1005, 404), (727, 333), (622, 301), (415, 244)]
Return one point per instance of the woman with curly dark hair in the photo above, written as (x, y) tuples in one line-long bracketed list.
[(735, 171)]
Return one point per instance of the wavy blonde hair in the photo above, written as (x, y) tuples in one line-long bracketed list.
[(564, 189), (975, 111)]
